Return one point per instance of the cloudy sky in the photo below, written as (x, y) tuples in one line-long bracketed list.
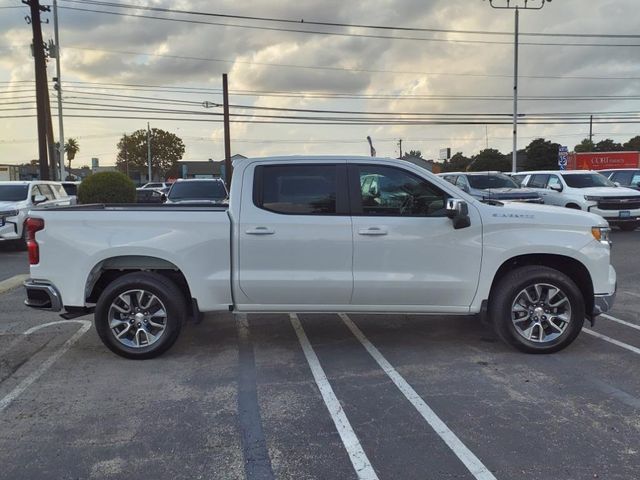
[(172, 66)]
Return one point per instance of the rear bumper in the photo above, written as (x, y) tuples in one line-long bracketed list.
[(42, 295)]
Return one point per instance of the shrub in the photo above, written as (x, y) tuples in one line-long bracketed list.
[(107, 187)]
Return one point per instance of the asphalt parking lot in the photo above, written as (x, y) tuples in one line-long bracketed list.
[(321, 397)]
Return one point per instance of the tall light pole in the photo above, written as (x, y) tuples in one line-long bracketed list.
[(59, 90), (149, 152), (517, 6)]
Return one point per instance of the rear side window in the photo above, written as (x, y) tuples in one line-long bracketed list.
[(298, 189), (538, 181)]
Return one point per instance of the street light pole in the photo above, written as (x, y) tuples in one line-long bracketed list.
[(537, 5), (59, 90)]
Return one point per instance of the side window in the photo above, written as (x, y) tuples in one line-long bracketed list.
[(462, 183), (59, 191), (35, 191), (297, 189), (624, 178), (47, 192), (397, 193), (538, 181), (554, 180), (635, 181)]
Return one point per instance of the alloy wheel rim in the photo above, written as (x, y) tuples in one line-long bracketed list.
[(541, 312), (137, 318)]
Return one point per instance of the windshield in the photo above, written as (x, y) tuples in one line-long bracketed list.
[(493, 180), (586, 180), (213, 190), (13, 193)]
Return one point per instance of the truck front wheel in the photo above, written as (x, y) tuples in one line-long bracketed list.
[(537, 309), (139, 315)]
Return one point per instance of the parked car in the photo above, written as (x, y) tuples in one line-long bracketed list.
[(491, 186), (157, 185), (198, 190), (305, 234), (625, 177), (589, 191), (148, 195), (16, 198)]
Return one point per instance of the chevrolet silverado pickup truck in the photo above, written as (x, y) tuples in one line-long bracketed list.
[(306, 234)]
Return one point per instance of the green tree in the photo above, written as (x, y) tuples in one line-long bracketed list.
[(489, 159), (608, 145), (633, 144), (107, 187), (413, 153), (585, 145), (457, 163), (166, 150), (71, 148), (541, 155)]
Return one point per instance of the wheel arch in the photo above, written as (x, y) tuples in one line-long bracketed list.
[(571, 267), (112, 268)]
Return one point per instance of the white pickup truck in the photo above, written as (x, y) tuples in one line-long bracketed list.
[(307, 234)]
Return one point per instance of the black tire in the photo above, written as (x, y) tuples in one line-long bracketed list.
[(165, 290), (508, 289), (628, 227)]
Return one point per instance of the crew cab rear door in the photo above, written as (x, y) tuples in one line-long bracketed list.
[(406, 251), (294, 234)]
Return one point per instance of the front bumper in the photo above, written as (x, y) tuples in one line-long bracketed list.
[(613, 216), (42, 295), (9, 231), (602, 304)]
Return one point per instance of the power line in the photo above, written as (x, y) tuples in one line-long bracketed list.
[(348, 25), (352, 35)]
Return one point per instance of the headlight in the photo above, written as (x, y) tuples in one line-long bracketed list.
[(591, 198), (9, 213), (601, 234)]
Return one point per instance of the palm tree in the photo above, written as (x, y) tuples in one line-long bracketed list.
[(71, 147)]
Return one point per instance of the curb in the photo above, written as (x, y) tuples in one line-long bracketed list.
[(11, 283)]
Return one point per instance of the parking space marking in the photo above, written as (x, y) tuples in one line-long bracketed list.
[(622, 322), (359, 460), (44, 366), (468, 458), (620, 344), (13, 282), (633, 294)]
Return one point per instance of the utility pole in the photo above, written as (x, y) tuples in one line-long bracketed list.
[(228, 168), (486, 136), (58, 80), (149, 152), (400, 145), (41, 83), (537, 5), (591, 128)]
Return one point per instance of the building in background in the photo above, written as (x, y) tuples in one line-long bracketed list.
[(9, 173)]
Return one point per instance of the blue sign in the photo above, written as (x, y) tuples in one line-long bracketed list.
[(563, 156)]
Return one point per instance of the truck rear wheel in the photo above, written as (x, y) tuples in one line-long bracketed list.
[(140, 315), (537, 309)]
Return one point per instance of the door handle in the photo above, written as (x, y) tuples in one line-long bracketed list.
[(260, 231), (372, 231)]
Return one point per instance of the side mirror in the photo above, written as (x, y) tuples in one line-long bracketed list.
[(39, 199), (458, 211), (617, 184), (163, 198), (555, 187), (465, 188)]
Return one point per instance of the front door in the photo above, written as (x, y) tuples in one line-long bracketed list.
[(294, 233), (406, 251)]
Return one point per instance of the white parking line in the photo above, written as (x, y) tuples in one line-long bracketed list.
[(622, 322), (473, 464), (361, 464), (633, 294), (631, 348), (11, 283), (44, 366)]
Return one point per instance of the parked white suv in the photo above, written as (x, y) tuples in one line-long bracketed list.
[(588, 191), (16, 198)]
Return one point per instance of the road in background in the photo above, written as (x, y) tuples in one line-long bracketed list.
[(12, 262)]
